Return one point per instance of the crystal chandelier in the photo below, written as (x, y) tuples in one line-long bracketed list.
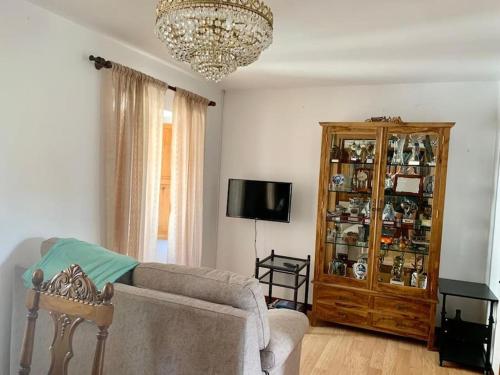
[(215, 36)]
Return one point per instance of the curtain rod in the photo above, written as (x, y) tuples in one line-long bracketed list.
[(100, 62)]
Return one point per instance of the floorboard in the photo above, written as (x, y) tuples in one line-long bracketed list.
[(332, 349)]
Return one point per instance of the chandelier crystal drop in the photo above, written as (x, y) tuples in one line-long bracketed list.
[(215, 36)]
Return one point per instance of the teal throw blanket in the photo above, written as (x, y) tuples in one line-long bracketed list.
[(101, 265)]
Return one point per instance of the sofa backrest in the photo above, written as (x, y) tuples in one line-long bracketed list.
[(47, 245), (217, 286)]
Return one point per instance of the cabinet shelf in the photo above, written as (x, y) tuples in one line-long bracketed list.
[(398, 195), (410, 165), (352, 163), (339, 220), (381, 302), (406, 226), (409, 251), (284, 280), (362, 245), (350, 191)]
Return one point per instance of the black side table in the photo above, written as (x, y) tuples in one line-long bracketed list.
[(285, 272), (464, 342)]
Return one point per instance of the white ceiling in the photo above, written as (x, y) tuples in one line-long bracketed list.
[(328, 42)]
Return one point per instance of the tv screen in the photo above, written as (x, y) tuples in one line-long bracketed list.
[(261, 200)]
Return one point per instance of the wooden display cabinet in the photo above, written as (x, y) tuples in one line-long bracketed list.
[(379, 223)]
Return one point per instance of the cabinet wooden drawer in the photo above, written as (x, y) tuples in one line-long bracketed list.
[(402, 306), (341, 297), (355, 316), (406, 326)]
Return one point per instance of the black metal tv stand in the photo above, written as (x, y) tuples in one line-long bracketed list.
[(464, 342), (285, 272)]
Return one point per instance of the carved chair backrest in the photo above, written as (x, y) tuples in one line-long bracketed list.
[(70, 297)]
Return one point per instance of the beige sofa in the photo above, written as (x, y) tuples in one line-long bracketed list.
[(178, 320)]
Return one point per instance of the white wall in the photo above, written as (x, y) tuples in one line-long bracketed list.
[(494, 263), (49, 138), (274, 135)]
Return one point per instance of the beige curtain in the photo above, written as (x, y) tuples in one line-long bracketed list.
[(186, 215), (133, 106)]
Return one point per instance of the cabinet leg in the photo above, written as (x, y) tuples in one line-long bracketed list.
[(313, 320)]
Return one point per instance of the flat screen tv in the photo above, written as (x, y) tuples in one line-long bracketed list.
[(259, 200)]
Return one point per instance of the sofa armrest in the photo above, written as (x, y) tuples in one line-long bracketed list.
[(180, 335), (288, 327)]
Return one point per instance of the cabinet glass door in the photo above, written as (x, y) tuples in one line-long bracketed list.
[(406, 210), (352, 167)]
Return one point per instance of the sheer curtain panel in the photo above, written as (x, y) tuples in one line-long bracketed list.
[(133, 106), (186, 215)]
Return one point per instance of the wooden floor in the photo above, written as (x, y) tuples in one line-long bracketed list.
[(333, 350)]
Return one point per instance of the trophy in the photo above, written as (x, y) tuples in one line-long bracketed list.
[(363, 154), (415, 149), (397, 271), (397, 145), (362, 233), (418, 277), (331, 234), (370, 153), (409, 209), (365, 211), (429, 184), (388, 214), (388, 182), (430, 145), (355, 152), (338, 266), (335, 154)]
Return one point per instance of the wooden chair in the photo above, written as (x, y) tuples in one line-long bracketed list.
[(70, 297)]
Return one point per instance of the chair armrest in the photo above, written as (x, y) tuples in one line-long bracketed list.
[(288, 327)]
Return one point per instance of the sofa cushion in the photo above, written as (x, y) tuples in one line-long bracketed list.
[(217, 286), (288, 329)]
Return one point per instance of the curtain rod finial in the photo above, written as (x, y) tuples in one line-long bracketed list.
[(100, 62)]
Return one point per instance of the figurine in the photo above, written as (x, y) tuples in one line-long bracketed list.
[(398, 269)]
